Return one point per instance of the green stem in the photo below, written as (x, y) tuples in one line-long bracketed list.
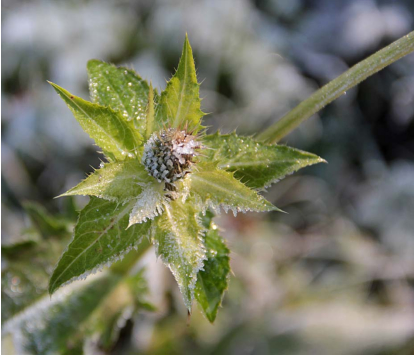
[(337, 87)]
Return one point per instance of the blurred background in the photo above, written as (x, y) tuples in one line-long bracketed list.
[(335, 274)]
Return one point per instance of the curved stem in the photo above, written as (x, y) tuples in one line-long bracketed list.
[(337, 87)]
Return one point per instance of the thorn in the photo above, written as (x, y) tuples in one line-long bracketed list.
[(188, 318)]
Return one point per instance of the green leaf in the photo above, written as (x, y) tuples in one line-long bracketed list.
[(118, 181), (216, 188), (149, 204), (150, 122), (56, 326), (115, 136), (257, 165), (212, 281), (100, 238), (177, 236), (120, 88), (179, 103)]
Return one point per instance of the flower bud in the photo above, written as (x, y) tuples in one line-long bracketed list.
[(168, 155)]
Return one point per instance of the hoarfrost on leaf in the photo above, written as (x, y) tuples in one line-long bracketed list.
[(256, 164), (100, 238), (179, 103), (178, 238), (212, 281), (114, 135), (118, 181), (149, 204), (214, 188)]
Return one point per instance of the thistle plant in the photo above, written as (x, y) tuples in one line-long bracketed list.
[(163, 178)]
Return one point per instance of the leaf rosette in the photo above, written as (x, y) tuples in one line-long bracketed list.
[(162, 179)]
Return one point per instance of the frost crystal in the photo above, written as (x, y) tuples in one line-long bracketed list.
[(149, 205), (168, 155)]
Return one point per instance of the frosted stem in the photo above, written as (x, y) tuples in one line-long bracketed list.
[(337, 87)]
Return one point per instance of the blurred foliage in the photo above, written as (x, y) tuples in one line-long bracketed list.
[(335, 274), (84, 314)]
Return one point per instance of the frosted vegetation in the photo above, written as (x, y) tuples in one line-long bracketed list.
[(162, 178), (94, 310), (131, 206)]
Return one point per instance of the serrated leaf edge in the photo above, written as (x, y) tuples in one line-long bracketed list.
[(200, 236), (153, 194), (216, 206), (100, 266), (228, 276)]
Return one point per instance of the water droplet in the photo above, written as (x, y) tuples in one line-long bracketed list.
[(130, 84)]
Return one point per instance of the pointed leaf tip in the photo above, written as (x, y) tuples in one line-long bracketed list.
[(111, 132), (256, 164), (179, 103), (118, 181)]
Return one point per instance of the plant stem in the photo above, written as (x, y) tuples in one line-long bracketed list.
[(337, 87)]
